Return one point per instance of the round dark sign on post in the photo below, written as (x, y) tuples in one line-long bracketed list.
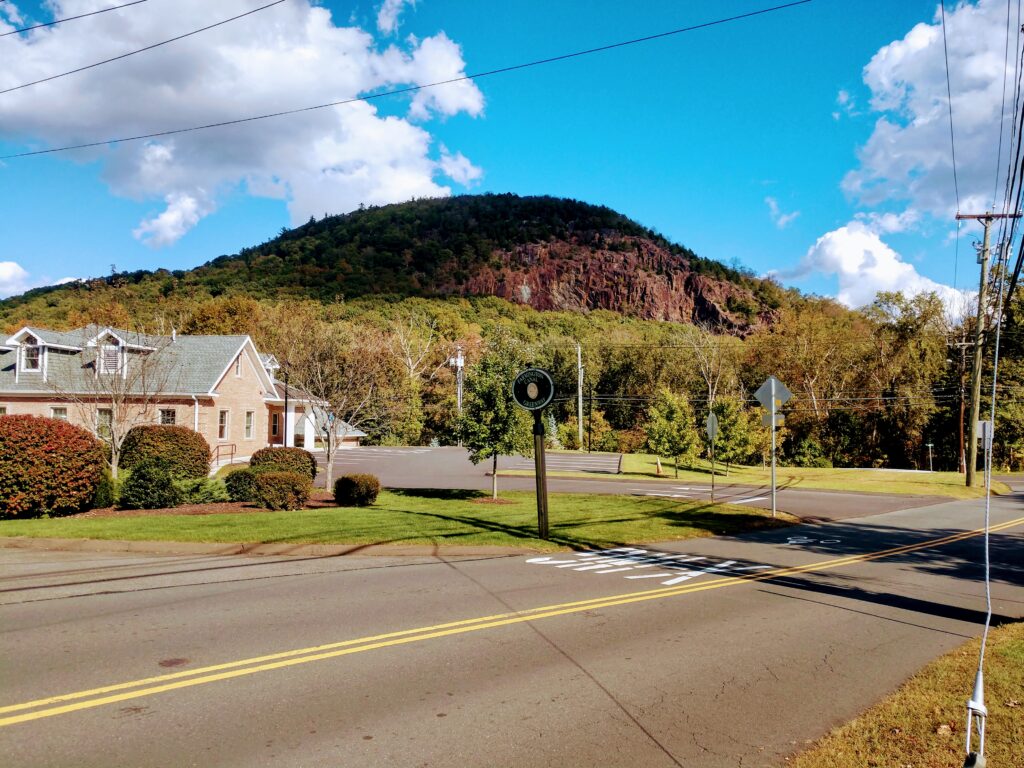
[(533, 389)]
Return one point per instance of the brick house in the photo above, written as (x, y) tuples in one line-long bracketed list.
[(220, 386)]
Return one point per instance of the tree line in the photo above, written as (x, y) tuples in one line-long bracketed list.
[(872, 387)]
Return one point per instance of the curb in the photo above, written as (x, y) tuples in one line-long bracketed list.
[(258, 549)]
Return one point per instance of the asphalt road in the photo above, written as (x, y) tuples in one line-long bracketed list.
[(450, 468), (663, 657)]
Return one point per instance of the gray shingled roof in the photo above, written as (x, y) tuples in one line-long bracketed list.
[(188, 365)]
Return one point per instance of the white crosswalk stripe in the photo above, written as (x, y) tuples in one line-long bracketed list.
[(671, 568)]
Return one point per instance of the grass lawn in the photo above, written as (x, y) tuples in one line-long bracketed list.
[(907, 727), (431, 517), (639, 466)]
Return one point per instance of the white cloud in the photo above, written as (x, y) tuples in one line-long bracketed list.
[(387, 16), (183, 212), (13, 278), (888, 223), (907, 159), (781, 220), (459, 169), (865, 265), (292, 55)]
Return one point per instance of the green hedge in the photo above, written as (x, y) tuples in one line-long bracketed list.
[(47, 467), (149, 486), (241, 483), (282, 490), (356, 490), (286, 460), (184, 452)]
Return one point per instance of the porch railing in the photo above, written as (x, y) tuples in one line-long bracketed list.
[(223, 450)]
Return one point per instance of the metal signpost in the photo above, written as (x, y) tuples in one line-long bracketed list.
[(711, 426), (533, 390), (771, 395)]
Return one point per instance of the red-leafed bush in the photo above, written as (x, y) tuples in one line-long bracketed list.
[(184, 452), (47, 467)]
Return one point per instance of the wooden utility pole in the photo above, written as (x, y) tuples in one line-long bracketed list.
[(986, 220)]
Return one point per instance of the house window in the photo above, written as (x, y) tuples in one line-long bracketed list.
[(222, 425), (3, 410), (168, 416), (104, 421), (110, 358), (250, 417), (32, 357), (59, 413), (238, 366), (275, 424)]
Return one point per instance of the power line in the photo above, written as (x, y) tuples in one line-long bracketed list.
[(1002, 108), (142, 50), (70, 18), (413, 88), (949, 101)]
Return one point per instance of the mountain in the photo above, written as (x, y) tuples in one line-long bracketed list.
[(546, 252)]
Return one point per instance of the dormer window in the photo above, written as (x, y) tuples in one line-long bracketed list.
[(32, 357)]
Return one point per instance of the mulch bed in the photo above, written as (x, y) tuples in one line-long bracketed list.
[(319, 500)]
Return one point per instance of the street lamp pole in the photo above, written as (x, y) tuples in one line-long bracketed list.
[(930, 468), (458, 363)]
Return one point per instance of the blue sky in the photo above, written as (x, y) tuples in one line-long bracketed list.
[(754, 142)]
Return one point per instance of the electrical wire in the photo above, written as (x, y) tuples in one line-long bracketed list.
[(949, 101), (412, 88), (1002, 108), (142, 50), (71, 18)]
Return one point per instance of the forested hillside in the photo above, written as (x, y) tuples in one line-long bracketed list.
[(543, 252)]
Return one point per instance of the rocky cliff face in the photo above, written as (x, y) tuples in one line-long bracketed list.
[(630, 275)]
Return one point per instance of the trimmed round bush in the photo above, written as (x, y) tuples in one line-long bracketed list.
[(47, 467), (184, 452), (282, 490), (149, 486), (285, 460), (241, 483), (356, 490)]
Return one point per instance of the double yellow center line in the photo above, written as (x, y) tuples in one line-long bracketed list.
[(112, 694)]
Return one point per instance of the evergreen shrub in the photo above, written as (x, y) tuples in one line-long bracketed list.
[(184, 452), (282, 490), (285, 460), (356, 490), (241, 483), (47, 467), (106, 492), (203, 490), (149, 486)]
